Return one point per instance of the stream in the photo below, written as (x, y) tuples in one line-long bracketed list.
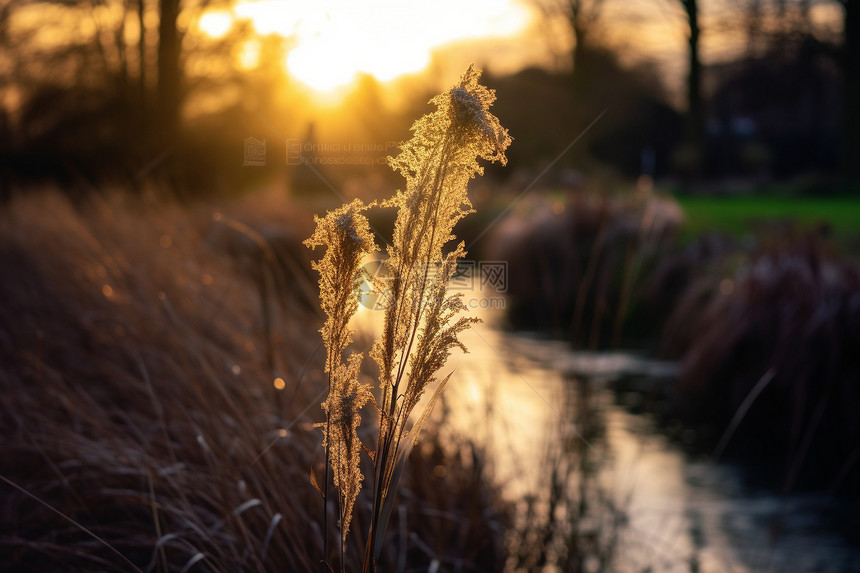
[(518, 396), (542, 412)]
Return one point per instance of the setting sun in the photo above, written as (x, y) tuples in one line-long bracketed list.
[(337, 40), (216, 24)]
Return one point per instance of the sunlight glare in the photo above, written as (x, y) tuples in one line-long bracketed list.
[(320, 64), (336, 40), (216, 24)]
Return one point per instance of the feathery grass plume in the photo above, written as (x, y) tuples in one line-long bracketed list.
[(342, 407), (420, 324), (345, 232)]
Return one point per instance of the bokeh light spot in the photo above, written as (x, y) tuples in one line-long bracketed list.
[(216, 24)]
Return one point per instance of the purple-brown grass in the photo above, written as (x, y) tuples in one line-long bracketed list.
[(160, 383)]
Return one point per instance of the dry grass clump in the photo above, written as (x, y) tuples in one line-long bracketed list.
[(574, 261), (769, 343), (137, 402), (459, 522), (142, 426)]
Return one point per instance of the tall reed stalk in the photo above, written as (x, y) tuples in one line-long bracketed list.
[(421, 320)]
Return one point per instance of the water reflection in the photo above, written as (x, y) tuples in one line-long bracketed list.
[(599, 488)]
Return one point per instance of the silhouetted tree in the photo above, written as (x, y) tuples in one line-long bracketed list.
[(695, 129), (169, 71), (141, 57), (753, 25), (851, 78), (780, 26), (582, 17), (5, 80)]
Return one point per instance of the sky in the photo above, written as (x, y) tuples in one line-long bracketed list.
[(332, 42), (335, 40)]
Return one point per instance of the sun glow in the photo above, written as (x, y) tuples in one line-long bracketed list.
[(336, 40), (216, 24)]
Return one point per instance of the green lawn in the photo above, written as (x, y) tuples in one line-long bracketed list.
[(740, 215)]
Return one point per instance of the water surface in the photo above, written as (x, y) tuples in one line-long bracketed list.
[(517, 395), (638, 501)]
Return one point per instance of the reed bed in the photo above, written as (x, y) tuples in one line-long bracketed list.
[(576, 260), (768, 340)]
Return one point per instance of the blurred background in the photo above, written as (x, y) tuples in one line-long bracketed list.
[(679, 224), (718, 96)]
